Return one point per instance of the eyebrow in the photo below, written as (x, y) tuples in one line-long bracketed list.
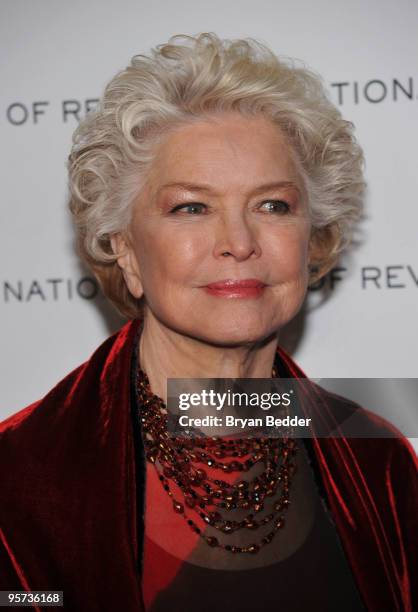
[(207, 189)]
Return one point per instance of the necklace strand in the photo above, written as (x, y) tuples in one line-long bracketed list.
[(180, 461)]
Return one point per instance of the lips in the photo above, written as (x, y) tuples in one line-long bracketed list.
[(237, 284), (243, 288)]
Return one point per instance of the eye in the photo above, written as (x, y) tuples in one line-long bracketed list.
[(194, 208), (275, 206)]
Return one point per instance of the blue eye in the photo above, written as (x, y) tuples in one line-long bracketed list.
[(194, 208), (276, 206)]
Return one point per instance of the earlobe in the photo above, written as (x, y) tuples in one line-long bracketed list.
[(127, 262)]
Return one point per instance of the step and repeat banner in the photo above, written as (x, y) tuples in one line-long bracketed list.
[(359, 322)]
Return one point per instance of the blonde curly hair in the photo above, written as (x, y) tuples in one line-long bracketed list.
[(185, 80)]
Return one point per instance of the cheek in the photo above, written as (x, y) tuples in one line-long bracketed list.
[(170, 257), (289, 251)]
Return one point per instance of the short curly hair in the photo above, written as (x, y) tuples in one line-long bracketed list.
[(185, 80)]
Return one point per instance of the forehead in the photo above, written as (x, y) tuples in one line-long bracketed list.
[(228, 151)]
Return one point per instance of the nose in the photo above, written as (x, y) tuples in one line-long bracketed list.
[(236, 237)]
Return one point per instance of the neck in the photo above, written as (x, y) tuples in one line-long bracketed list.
[(165, 353)]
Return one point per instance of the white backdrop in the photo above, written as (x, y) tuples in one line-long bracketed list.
[(56, 58)]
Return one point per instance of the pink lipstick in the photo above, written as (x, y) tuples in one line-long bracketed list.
[(246, 288)]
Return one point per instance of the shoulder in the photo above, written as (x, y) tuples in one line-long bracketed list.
[(369, 457), (370, 435), (65, 440), (41, 417), (334, 415)]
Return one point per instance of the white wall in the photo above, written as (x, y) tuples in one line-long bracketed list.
[(53, 53)]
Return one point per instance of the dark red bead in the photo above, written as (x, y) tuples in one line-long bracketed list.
[(253, 548), (212, 541), (189, 501)]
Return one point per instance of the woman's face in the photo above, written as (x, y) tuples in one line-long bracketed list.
[(223, 203)]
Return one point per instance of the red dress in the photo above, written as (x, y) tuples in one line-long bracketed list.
[(68, 511)]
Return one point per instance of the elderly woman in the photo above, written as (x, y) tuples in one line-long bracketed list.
[(212, 185)]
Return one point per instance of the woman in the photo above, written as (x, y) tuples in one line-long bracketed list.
[(212, 185)]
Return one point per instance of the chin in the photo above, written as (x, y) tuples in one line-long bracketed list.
[(235, 333)]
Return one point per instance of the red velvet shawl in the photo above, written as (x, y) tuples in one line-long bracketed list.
[(68, 494)]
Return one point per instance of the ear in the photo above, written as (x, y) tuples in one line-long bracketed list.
[(127, 262), (323, 251)]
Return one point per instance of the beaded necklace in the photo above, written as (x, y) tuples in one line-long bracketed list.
[(180, 461)]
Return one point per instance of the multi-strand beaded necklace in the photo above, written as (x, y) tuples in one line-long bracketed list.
[(180, 460)]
